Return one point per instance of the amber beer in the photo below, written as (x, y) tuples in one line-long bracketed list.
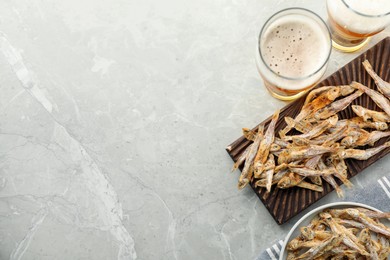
[(293, 50), (352, 22)]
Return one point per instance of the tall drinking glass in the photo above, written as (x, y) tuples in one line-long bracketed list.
[(293, 50), (352, 22)]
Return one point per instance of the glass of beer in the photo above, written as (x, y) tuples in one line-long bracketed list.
[(352, 22), (292, 53)]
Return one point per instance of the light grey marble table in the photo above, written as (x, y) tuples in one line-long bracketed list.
[(114, 117)]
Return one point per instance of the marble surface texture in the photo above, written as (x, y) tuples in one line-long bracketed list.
[(114, 118)]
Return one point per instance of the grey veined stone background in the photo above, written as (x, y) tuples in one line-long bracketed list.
[(114, 117)]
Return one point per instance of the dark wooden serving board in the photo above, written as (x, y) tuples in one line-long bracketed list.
[(285, 204)]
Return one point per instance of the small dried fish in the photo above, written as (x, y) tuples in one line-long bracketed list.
[(265, 145), (382, 85), (317, 130), (306, 172), (359, 123), (270, 173), (368, 114), (371, 224), (321, 248), (374, 125), (367, 212), (310, 186), (294, 154), (243, 180), (337, 106), (362, 154), (344, 90), (371, 138), (321, 101), (348, 222), (316, 92), (378, 98), (374, 214)]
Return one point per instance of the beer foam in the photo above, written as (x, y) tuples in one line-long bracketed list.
[(370, 7), (355, 22), (295, 46)]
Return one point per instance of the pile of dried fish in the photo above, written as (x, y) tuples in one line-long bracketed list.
[(318, 152), (351, 233)]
